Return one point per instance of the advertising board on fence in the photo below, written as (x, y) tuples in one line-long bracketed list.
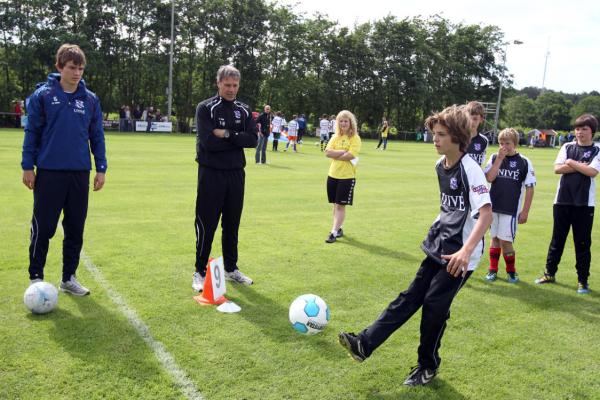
[(142, 126)]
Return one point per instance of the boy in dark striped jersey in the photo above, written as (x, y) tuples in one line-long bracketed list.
[(452, 247), (578, 162), (479, 143), (509, 172)]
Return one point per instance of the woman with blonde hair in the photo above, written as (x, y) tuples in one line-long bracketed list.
[(343, 149)]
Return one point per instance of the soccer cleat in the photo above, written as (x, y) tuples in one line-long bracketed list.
[(420, 376), (583, 288), (512, 277), (491, 276), (32, 281), (237, 276), (340, 233), (198, 282), (74, 287), (330, 238), (352, 344), (546, 278)]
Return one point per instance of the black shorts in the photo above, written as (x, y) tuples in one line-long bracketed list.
[(340, 191)]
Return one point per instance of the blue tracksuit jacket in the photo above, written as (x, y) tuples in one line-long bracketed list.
[(62, 128)]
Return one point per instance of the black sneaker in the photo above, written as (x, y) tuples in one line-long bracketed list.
[(352, 344), (340, 233), (420, 376), (330, 238)]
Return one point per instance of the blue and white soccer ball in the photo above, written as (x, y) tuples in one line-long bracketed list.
[(41, 297), (309, 314)]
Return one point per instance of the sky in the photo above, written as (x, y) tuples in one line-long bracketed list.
[(569, 31)]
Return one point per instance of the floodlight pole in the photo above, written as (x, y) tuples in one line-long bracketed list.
[(170, 88), (497, 115)]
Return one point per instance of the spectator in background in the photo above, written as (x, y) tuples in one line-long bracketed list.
[(277, 126), (127, 119), (18, 114), (383, 134), (292, 133), (137, 113), (301, 127), (149, 118), (159, 117), (264, 122), (122, 118)]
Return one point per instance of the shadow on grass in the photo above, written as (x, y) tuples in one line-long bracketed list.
[(437, 389), (277, 166), (272, 319), (106, 346), (377, 250), (544, 297)]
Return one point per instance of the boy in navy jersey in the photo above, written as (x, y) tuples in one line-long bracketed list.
[(479, 143), (578, 162), (452, 247), (509, 172)]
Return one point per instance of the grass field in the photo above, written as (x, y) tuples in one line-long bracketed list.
[(504, 341)]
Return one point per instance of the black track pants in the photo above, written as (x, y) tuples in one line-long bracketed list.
[(581, 218), (220, 196), (433, 289), (56, 192)]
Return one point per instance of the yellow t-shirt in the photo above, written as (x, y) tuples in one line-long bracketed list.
[(343, 169), (385, 131)]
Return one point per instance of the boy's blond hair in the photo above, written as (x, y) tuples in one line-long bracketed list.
[(476, 108), (353, 124), (69, 52), (510, 134), (455, 119)]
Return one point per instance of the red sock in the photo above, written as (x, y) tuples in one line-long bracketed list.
[(509, 259), (494, 258)]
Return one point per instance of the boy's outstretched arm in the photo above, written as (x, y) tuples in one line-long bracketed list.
[(459, 261)]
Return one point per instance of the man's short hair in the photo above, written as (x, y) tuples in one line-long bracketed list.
[(476, 108), (509, 134), (455, 119), (228, 71), (587, 120), (69, 52)]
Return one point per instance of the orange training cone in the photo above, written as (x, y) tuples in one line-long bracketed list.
[(206, 297)]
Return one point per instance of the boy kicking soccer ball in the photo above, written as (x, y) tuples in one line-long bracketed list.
[(453, 247), (509, 173)]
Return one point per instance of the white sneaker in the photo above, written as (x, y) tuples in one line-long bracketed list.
[(198, 282), (74, 287), (237, 276), (32, 281)]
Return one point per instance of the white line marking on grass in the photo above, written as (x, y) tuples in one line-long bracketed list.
[(164, 357)]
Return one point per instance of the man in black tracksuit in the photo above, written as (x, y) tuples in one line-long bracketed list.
[(224, 127)]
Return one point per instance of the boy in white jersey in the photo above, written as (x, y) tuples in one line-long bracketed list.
[(292, 133), (276, 128), (324, 131), (578, 164), (508, 172), (453, 247)]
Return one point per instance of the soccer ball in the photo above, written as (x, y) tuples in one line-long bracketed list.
[(41, 297), (309, 314)]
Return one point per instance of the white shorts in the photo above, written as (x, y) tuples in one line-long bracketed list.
[(504, 227)]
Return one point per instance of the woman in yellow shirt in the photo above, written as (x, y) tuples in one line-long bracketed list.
[(343, 149)]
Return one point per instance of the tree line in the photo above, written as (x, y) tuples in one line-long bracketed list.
[(401, 68)]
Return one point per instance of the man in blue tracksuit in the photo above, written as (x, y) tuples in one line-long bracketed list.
[(65, 122)]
